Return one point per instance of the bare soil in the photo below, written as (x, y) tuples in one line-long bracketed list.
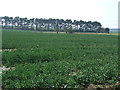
[(100, 33), (102, 87), (85, 33), (8, 50), (3, 68)]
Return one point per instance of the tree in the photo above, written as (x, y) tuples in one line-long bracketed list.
[(36, 23), (6, 21), (68, 25), (52, 24), (16, 23), (2, 21), (11, 22), (107, 30), (32, 23), (57, 26), (70, 29)]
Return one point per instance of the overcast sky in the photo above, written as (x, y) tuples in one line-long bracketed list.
[(103, 11)]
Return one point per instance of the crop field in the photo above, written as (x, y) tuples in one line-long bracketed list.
[(51, 60)]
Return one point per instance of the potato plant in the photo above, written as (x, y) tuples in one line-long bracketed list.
[(58, 60)]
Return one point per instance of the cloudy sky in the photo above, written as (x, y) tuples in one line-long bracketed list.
[(104, 11)]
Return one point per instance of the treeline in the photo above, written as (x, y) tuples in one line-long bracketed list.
[(58, 25)]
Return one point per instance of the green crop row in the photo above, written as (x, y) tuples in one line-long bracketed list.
[(69, 74), (11, 58)]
